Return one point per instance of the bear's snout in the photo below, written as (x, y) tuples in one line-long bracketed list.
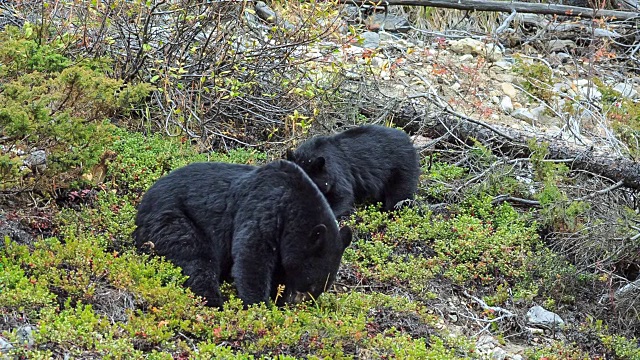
[(301, 297)]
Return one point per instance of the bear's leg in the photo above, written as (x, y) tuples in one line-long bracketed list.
[(254, 262), (402, 185), (184, 245), (203, 281)]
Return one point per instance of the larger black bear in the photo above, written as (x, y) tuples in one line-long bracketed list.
[(370, 162), (258, 226)]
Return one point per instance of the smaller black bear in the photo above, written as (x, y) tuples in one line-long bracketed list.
[(258, 226), (369, 162)]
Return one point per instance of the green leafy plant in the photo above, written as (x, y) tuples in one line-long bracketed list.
[(64, 126)]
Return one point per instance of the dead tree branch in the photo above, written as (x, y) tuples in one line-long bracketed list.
[(615, 168), (504, 6)]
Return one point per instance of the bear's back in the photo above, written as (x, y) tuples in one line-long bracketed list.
[(198, 192), (287, 185)]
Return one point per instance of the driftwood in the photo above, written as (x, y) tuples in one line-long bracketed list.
[(618, 169), (505, 6)]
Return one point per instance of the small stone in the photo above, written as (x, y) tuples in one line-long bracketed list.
[(495, 100), (538, 111), (4, 345), (559, 88), (466, 57), (25, 335), (420, 141), (504, 65), (36, 161), (498, 354), (370, 40), (377, 61), (540, 317), (476, 47), (581, 82), (455, 86), (561, 45), (626, 90), (509, 90), (524, 115), (265, 13), (506, 105), (516, 357), (591, 93), (388, 22), (485, 344)]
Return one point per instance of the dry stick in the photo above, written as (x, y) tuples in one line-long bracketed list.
[(601, 192), (504, 6), (484, 305), (446, 108)]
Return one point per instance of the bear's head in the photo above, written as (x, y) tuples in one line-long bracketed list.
[(315, 168), (310, 264)]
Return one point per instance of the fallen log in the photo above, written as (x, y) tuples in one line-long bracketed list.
[(504, 6), (590, 159)]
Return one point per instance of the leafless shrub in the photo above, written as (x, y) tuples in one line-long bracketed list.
[(222, 75)]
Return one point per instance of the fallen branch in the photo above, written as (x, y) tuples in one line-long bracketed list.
[(615, 168), (495, 309), (505, 6)]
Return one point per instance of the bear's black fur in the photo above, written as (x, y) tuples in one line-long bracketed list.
[(370, 162), (258, 226)]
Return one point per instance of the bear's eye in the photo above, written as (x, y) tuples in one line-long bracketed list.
[(326, 184), (309, 160)]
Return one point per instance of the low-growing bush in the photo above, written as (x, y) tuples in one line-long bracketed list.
[(54, 112)]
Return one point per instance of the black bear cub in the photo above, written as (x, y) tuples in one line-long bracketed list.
[(367, 163), (258, 226)]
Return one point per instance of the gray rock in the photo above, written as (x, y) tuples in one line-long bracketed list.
[(466, 57), (509, 90), (561, 45), (36, 161), (485, 344), (498, 354), (516, 357), (476, 47), (504, 65), (540, 317), (391, 23), (591, 93), (524, 115), (560, 88), (370, 40), (377, 61), (5, 346), (538, 111), (15, 231), (25, 335), (626, 90), (265, 13), (506, 105), (581, 82), (351, 14)]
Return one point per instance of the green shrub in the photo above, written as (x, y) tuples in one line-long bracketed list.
[(48, 103)]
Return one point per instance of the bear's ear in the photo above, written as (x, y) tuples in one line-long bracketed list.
[(346, 235), (317, 237), (317, 164), (290, 155)]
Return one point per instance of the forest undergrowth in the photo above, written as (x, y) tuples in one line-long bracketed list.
[(420, 282)]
